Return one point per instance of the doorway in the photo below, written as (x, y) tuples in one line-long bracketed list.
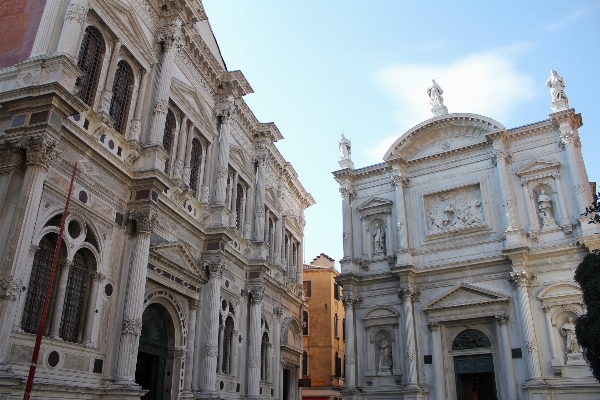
[(475, 377), (152, 353), (286, 384)]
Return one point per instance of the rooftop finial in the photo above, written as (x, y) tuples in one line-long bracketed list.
[(436, 100)]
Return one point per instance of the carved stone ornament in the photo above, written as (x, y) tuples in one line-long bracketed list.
[(225, 106), (178, 168), (433, 326), (346, 192), (194, 304), (204, 193), (350, 358), (77, 13), (40, 150), (97, 277), (132, 326), (186, 175), (177, 353), (257, 293), (105, 100), (530, 346), (171, 34), (406, 294), (160, 107), (254, 362), (470, 339), (222, 172), (502, 319), (259, 211), (410, 355), (211, 350), (215, 268), (349, 301), (454, 209), (135, 129), (520, 278), (10, 288), (11, 153), (278, 312), (145, 220)]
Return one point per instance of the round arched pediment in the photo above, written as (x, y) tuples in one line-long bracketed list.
[(441, 134)]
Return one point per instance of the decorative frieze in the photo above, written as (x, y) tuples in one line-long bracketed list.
[(454, 210)]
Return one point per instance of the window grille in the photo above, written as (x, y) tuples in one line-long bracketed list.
[(75, 298), (195, 163), (238, 206), (168, 138), (90, 63), (40, 274), (119, 107)]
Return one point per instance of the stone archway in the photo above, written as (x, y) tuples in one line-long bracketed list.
[(152, 352)]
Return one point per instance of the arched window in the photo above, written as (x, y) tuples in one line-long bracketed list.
[(40, 274), (305, 322), (195, 159), (238, 206), (335, 325), (304, 363), (75, 295), (168, 138), (228, 342), (264, 357), (90, 63), (122, 88)]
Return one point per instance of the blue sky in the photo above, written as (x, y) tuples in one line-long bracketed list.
[(319, 68)]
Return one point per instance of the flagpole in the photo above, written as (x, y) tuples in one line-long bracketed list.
[(38, 339)]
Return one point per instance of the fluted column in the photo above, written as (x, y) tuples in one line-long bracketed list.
[(259, 207), (349, 303), (409, 334), (398, 181), (15, 268), (72, 27), (346, 192), (107, 93), (136, 124), (172, 37), (95, 279), (439, 386), (44, 33), (188, 155), (254, 364), (211, 344), (59, 301), (551, 339), (190, 342), (145, 221), (277, 314), (521, 280), (506, 357), (225, 109), (205, 190)]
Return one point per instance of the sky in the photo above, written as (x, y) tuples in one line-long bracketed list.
[(319, 68)]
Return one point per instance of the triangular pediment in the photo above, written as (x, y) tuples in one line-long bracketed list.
[(537, 166), (177, 253), (375, 202), (185, 96), (465, 295)]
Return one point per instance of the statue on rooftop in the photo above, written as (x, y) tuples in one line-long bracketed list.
[(435, 93), (345, 148), (557, 86)]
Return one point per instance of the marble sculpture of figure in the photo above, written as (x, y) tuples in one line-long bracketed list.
[(385, 361), (545, 204), (379, 235), (568, 330), (435, 93), (345, 147), (557, 86)]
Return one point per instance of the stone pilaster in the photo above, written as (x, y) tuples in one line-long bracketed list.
[(399, 182), (277, 314), (75, 16), (259, 206), (205, 190), (211, 344), (550, 333), (59, 301), (178, 169), (439, 386), (172, 37), (188, 155), (14, 271), (254, 364), (95, 279), (145, 222), (349, 303), (224, 109), (136, 124), (191, 338), (106, 97), (506, 357), (409, 333)]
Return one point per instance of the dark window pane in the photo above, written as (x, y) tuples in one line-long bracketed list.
[(122, 88), (89, 61)]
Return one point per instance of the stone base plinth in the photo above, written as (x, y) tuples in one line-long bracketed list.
[(346, 163), (559, 105)]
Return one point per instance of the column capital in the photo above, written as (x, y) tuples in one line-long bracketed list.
[(11, 154), (347, 192), (145, 220), (194, 304), (66, 264), (225, 106), (398, 180), (97, 277), (171, 34), (262, 160), (214, 268), (10, 287), (349, 301), (406, 294), (278, 312), (257, 293), (502, 319), (132, 326), (547, 309), (40, 150), (76, 13), (433, 326), (521, 278)]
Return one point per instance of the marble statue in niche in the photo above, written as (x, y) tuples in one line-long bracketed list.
[(379, 239), (568, 331), (545, 207), (385, 355), (456, 209)]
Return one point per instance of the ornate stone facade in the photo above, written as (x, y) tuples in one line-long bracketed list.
[(476, 277), (167, 285)]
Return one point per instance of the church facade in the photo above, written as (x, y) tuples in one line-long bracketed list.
[(459, 255), (180, 270)]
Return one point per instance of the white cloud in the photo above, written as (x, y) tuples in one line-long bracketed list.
[(575, 15), (486, 83)]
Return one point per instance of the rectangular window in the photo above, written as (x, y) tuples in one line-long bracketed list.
[(338, 366), (306, 285), (336, 291), (343, 328)]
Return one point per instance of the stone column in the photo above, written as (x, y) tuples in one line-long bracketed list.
[(398, 181), (254, 364), (211, 343), (59, 301), (299, 262), (172, 37), (566, 221), (439, 385), (188, 155), (224, 109), (72, 27), (178, 169), (220, 353), (106, 97), (47, 23), (234, 194), (248, 212), (349, 303), (95, 279), (506, 357), (409, 334), (259, 207), (202, 168), (346, 192), (550, 329), (242, 221), (15, 267), (277, 314), (205, 191), (521, 280), (190, 342), (145, 221), (136, 124), (277, 242)]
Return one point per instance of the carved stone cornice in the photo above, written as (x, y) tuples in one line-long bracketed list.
[(257, 293), (145, 220), (40, 150)]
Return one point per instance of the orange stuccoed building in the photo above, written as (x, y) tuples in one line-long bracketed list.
[(323, 332)]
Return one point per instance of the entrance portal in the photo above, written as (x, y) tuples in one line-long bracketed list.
[(475, 377), (152, 353)]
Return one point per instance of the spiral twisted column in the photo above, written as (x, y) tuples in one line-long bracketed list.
[(190, 341), (211, 344), (349, 303), (409, 334), (254, 364), (225, 109)]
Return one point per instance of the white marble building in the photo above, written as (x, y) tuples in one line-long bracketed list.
[(459, 251), (181, 265)]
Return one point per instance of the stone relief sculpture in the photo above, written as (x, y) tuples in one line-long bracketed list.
[(557, 86), (385, 355), (452, 210), (379, 239), (568, 330), (545, 207)]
